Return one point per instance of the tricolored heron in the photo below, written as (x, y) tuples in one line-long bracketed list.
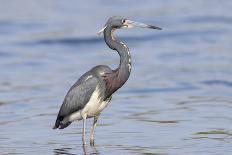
[(93, 91)]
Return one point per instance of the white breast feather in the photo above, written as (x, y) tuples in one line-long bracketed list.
[(91, 109)]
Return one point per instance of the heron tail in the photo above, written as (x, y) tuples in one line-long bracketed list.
[(60, 123), (57, 124)]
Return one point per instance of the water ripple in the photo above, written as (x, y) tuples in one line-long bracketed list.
[(210, 19), (216, 134), (218, 82), (153, 37)]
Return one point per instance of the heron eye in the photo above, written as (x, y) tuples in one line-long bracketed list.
[(124, 20)]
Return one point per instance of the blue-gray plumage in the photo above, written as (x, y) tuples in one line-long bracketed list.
[(93, 91)]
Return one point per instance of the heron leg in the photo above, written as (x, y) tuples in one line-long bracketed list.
[(93, 129), (83, 132)]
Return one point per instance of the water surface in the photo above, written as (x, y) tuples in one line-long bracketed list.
[(176, 101)]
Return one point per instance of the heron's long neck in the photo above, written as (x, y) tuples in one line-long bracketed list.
[(124, 68)]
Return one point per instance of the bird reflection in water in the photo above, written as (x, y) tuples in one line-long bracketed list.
[(69, 151)]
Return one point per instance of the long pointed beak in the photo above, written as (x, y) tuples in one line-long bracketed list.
[(130, 24)]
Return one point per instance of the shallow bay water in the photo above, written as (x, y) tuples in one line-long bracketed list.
[(176, 101)]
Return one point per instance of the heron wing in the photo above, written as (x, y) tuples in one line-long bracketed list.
[(78, 95)]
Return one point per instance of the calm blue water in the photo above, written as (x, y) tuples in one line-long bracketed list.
[(178, 99)]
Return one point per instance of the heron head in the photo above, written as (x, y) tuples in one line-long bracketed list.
[(120, 22)]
